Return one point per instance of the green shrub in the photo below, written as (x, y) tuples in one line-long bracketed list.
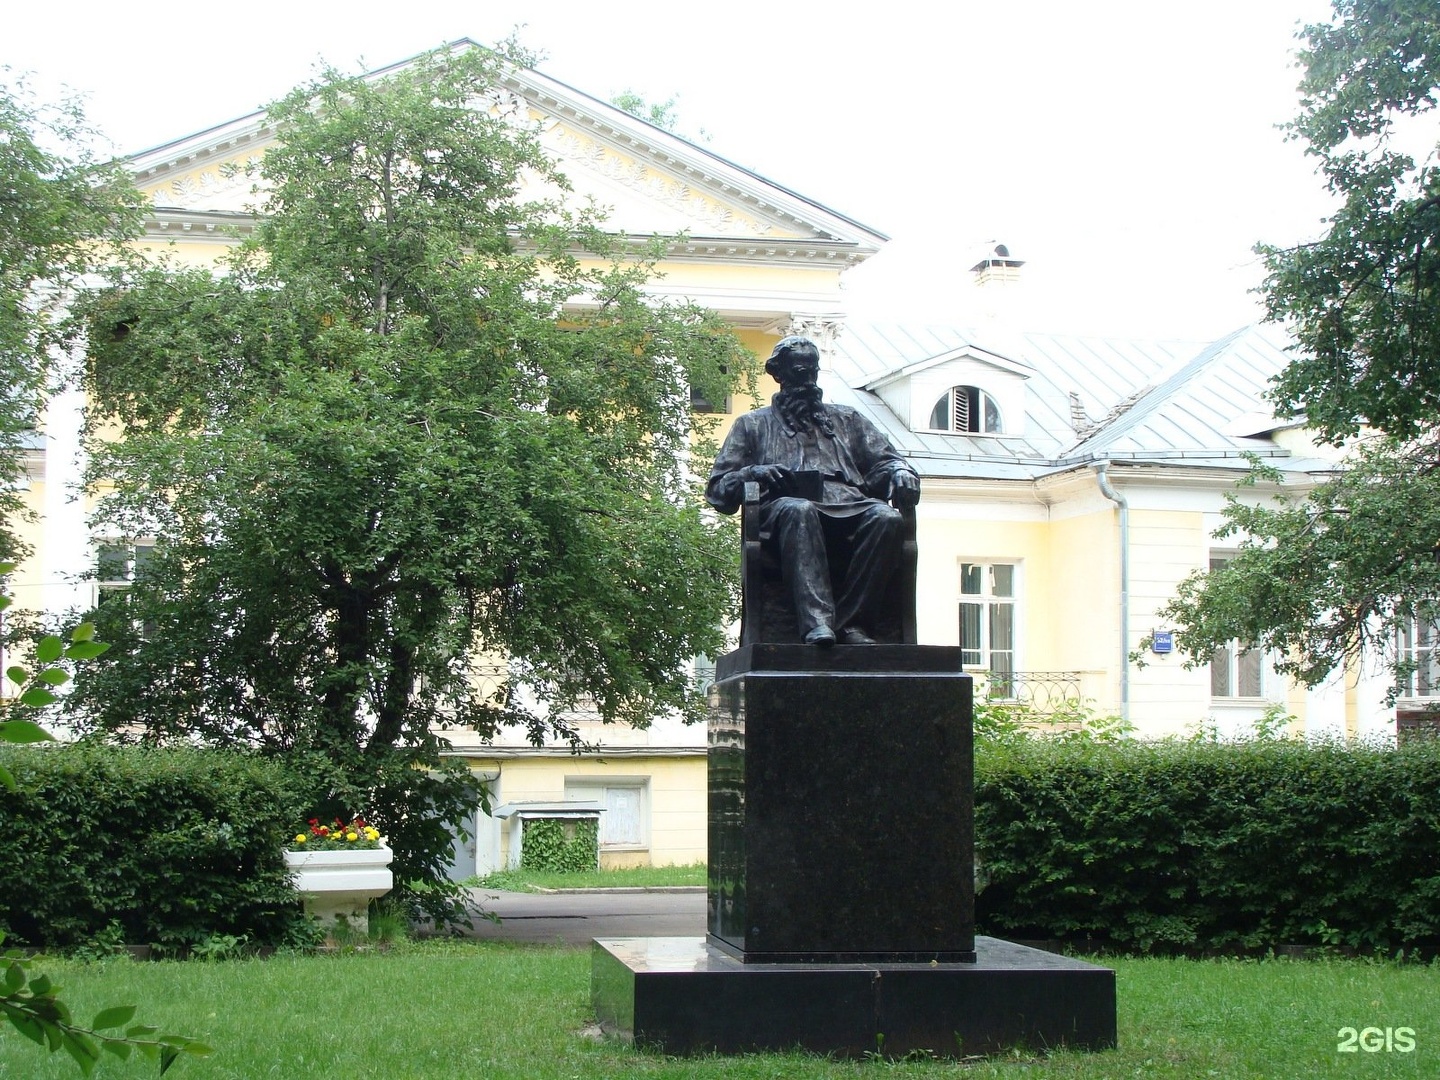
[(1206, 845), (176, 847), (557, 846)]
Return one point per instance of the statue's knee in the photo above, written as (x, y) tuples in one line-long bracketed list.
[(787, 510), (886, 517)]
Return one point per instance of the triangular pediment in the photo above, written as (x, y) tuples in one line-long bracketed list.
[(956, 361), (650, 181), (912, 390)]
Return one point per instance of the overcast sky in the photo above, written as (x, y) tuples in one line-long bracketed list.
[(1126, 149)]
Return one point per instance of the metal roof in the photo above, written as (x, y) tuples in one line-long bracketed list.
[(1088, 399)]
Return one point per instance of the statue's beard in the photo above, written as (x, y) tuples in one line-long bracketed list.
[(801, 409)]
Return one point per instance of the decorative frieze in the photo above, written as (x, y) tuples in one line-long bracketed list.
[(670, 191), (232, 186)]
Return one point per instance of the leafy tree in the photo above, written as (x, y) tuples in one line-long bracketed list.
[(418, 418), (62, 213), (663, 114), (1330, 577), (1364, 301)]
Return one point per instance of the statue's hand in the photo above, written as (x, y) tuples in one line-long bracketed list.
[(904, 489), (768, 475)]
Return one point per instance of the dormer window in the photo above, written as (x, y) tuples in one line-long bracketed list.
[(966, 409)]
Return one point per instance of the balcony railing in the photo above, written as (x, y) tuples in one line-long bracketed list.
[(1037, 691)]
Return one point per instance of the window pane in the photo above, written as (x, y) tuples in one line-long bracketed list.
[(1247, 672), (1002, 673), (1424, 635), (1002, 627), (972, 579), (940, 415), (114, 564), (1002, 646), (1427, 674), (1003, 577), (970, 631), (992, 413), (1220, 673), (1427, 671)]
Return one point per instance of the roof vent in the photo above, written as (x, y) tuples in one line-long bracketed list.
[(997, 265)]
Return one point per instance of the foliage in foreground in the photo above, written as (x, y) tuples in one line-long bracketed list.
[(160, 847), (32, 1004), (1350, 571), (427, 414), (1204, 845), (30, 1000)]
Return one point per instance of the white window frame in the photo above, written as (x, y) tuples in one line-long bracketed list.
[(981, 655), (1235, 663), (957, 411), (126, 557), (1419, 643), (602, 789)]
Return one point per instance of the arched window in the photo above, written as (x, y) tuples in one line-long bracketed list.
[(966, 408)]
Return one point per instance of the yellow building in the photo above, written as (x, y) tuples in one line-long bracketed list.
[(1069, 484), (766, 259)]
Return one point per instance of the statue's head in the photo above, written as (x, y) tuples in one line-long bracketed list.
[(795, 361)]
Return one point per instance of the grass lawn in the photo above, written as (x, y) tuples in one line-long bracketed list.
[(449, 1009), (650, 877)]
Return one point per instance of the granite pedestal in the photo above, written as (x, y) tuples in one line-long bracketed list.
[(841, 878), (840, 805)]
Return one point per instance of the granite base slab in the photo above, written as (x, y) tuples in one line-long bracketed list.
[(683, 996)]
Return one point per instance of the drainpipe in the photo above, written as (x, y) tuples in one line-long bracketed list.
[(1119, 500)]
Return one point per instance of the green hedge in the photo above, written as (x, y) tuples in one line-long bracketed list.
[(1201, 846), (159, 847)]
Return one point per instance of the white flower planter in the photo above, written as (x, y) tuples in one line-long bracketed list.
[(342, 882)]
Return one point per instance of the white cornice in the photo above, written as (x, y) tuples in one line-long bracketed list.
[(950, 489), (172, 221), (210, 226), (193, 151), (1175, 474), (1062, 484), (765, 253)]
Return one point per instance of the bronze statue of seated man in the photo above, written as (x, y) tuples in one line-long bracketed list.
[(828, 478)]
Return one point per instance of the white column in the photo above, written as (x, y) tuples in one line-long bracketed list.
[(65, 550)]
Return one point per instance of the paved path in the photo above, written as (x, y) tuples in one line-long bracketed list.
[(576, 917)]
